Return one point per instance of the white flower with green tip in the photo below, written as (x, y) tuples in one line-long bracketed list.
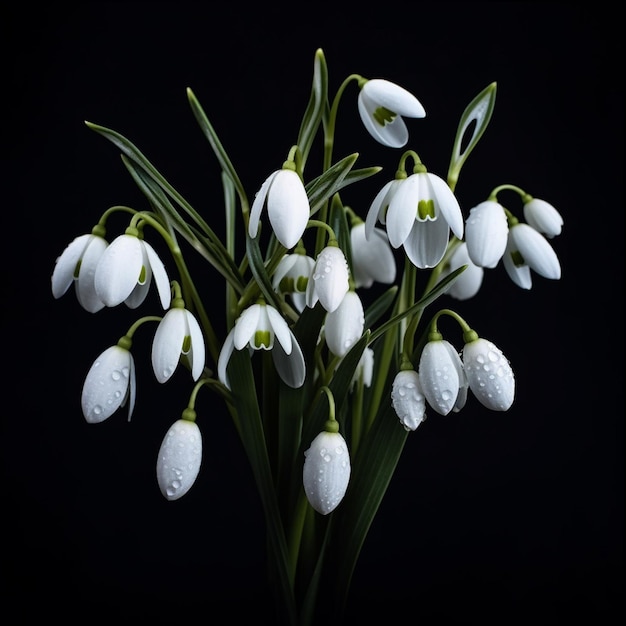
[(382, 105), (125, 271), (262, 327), (178, 334)]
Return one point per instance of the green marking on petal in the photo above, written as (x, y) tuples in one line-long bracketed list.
[(517, 258), (384, 116), (286, 284), (142, 275), (262, 338), (77, 268), (186, 344), (426, 210), (301, 283)]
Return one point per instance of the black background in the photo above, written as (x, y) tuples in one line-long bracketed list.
[(492, 518)]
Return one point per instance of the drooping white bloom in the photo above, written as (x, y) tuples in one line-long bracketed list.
[(287, 206), (382, 104), (326, 471), (408, 400), (542, 216), (421, 212), (262, 327), (489, 374), (372, 257), (125, 271), (442, 377), (292, 276), (329, 280), (109, 384), (486, 233), (178, 333), (527, 249), (77, 264), (179, 460), (468, 283), (344, 326)]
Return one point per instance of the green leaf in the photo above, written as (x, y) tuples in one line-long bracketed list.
[(253, 438), (317, 102), (257, 266), (376, 310), (320, 189), (478, 112), (338, 221), (216, 144)]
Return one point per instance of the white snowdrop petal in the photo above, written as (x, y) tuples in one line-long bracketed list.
[(330, 277), (326, 471), (427, 243), (536, 251), (486, 233), (65, 266), (246, 326), (106, 385), (167, 344), (198, 349), (392, 135), (489, 374), (393, 97), (468, 284), (159, 274), (408, 400), (224, 357), (290, 367), (179, 459), (439, 376), (373, 259), (344, 326), (280, 328), (379, 205), (118, 270), (288, 207), (85, 288), (542, 216), (257, 205), (519, 274), (402, 210), (447, 204)]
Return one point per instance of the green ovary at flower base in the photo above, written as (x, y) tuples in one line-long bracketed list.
[(301, 324)]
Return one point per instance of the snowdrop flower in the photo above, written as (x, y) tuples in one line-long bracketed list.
[(178, 333), (442, 377), (287, 206), (329, 281), (262, 327), (527, 249), (344, 326), (542, 216), (372, 257), (489, 374), (382, 104), (77, 264), (180, 456), (326, 471), (292, 276), (486, 233), (421, 212), (125, 270), (407, 399), (468, 283), (110, 383)]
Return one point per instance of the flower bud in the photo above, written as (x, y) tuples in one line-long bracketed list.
[(326, 471), (179, 459), (407, 399)]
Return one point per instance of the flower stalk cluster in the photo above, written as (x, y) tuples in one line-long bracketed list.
[(326, 363)]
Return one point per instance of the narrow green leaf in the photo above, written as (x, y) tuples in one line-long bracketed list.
[(257, 266), (377, 309), (478, 112), (253, 438), (320, 189), (318, 100), (338, 221), (216, 144)]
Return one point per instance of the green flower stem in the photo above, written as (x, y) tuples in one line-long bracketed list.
[(188, 284), (494, 194), (133, 328)]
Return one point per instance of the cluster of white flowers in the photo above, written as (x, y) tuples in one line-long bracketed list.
[(416, 215)]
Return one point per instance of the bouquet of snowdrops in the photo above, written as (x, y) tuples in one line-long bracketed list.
[(323, 377)]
